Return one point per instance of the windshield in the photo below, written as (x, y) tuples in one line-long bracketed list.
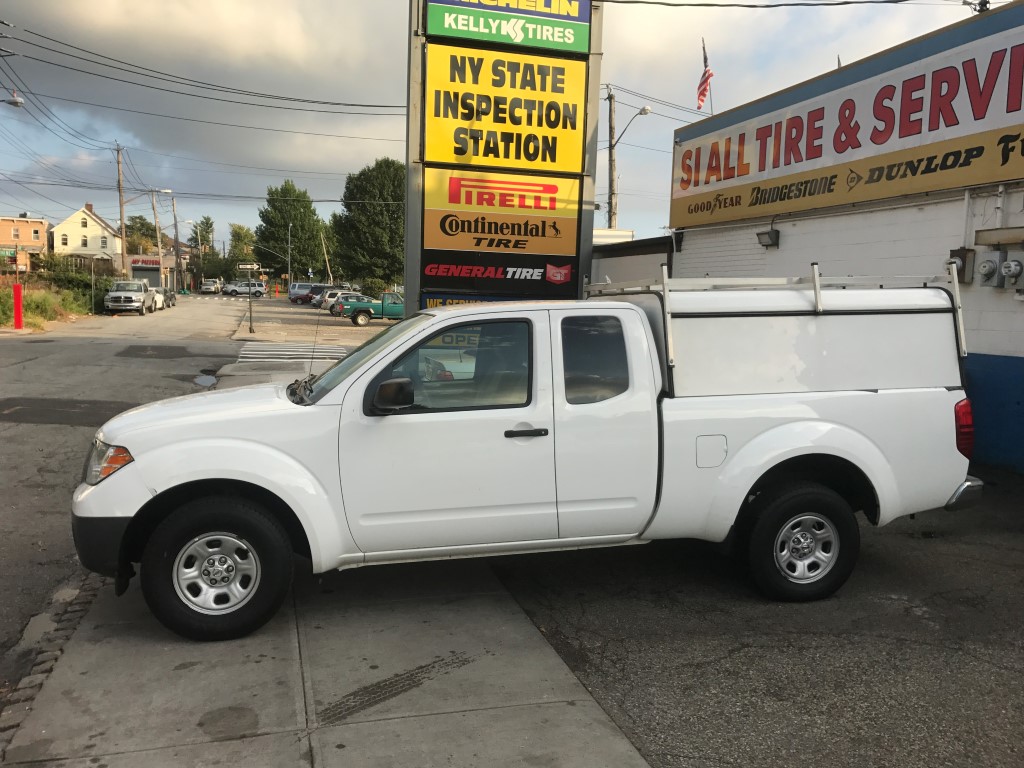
[(341, 370), (127, 287)]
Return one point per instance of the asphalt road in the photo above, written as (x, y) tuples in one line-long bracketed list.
[(918, 661)]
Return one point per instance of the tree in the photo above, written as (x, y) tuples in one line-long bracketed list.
[(207, 261), (289, 205), (371, 230), (140, 233), (241, 247)]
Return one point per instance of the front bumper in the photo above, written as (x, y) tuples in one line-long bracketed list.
[(967, 494), (98, 542)]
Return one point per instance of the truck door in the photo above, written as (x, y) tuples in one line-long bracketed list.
[(472, 460), (606, 421)]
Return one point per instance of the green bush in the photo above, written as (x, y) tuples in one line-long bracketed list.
[(374, 287), (6, 306)]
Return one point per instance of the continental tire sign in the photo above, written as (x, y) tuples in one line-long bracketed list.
[(500, 213), (940, 112), (504, 110)]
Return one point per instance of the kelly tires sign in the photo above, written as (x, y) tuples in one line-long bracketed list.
[(559, 25)]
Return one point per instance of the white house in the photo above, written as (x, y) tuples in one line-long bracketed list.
[(87, 235)]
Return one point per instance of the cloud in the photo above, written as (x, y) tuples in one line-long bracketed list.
[(357, 52)]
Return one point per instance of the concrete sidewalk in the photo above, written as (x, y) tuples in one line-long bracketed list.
[(428, 664), (410, 665)]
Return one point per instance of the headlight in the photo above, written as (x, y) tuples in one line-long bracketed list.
[(103, 461)]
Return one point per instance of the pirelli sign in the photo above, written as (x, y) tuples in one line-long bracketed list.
[(500, 213)]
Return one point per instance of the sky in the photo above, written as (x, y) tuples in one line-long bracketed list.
[(55, 152)]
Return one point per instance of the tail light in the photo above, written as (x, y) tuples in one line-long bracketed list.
[(964, 427)]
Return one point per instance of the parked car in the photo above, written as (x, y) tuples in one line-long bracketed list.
[(130, 296), (314, 290), (335, 307), (169, 298), (158, 300), (776, 421), (245, 287), (329, 296), (210, 285), (390, 306), (295, 290)]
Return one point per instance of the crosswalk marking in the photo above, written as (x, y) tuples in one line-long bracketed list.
[(262, 351)]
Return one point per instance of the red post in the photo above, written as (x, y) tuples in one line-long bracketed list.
[(277, 290), (19, 321)]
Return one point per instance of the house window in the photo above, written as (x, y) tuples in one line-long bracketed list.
[(15, 233), (85, 222), (103, 242), (35, 234), (64, 240), (85, 241)]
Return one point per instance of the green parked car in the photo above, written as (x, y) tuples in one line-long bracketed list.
[(362, 309)]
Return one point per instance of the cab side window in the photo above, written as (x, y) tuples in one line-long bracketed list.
[(484, 365), (593, 359)]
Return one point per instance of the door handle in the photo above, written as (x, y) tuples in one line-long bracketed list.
[(526, 433)]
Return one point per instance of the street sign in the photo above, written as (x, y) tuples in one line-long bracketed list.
[(249, 266)]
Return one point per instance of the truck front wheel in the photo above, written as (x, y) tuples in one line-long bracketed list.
[(360, 318), (217, 569), (804, 543)]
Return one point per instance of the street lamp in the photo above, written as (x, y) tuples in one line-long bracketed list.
[(613, 192)]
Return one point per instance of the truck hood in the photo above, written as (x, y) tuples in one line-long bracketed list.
[(130, 294), (201, 413)]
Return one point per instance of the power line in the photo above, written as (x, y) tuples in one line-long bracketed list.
[(217, 98), (784, 4), (214, 122), (139, 70)]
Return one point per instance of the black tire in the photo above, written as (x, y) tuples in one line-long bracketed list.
[(257, 294), (360, 319), (234, 293), (142, 310), (253, 554), (804, 542)]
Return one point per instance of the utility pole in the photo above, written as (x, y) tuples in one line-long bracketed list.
[(289, 254), (177, 247), (156, 221), (120, 197), (613, 213)]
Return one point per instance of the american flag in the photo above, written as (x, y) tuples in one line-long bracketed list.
[(704, 86)]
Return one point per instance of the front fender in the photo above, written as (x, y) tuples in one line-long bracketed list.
[(788, 441), (319, 509)]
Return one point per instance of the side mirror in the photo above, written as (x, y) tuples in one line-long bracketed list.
[(393, 395)]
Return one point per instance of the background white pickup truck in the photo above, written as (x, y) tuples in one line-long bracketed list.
[(766, 417)]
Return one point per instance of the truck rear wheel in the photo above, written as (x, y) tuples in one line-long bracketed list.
[(360, 318), (804, 543), (217, 569)]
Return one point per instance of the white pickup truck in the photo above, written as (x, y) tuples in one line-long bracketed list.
[(766, 416)]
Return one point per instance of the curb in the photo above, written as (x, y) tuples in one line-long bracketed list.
[(16, 706)]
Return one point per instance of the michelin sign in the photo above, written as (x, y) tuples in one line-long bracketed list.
[(940, 112)]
